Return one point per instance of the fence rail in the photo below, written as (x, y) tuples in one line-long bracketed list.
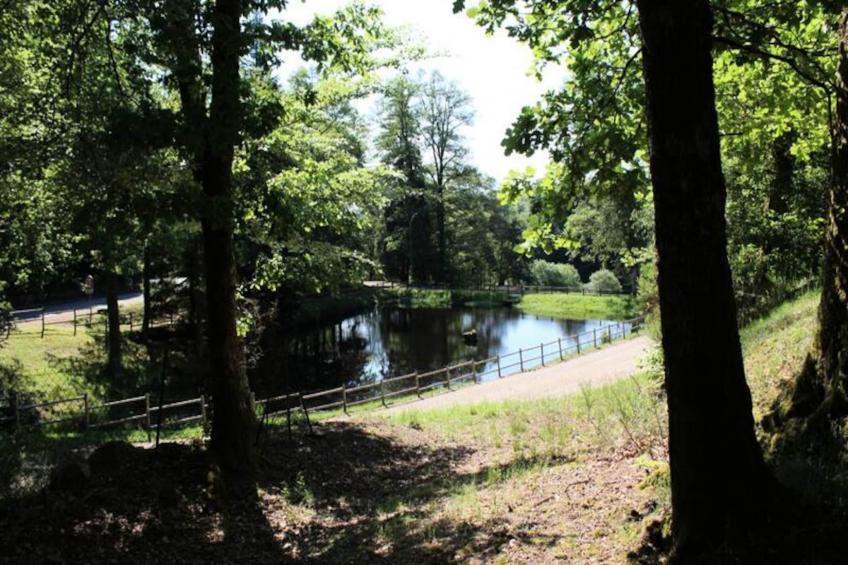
[(140, 411), (78, 317), (507, 289)]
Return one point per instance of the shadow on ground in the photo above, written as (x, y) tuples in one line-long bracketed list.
[(344, 495)]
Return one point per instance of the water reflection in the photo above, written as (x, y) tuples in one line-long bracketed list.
[(389, 341)]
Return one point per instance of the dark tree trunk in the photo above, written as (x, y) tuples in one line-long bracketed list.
[(145, 286), (718, 477), (781, 187), (113, 339), (442, 235), (233, 419)]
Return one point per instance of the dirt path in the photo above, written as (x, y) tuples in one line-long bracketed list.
[(599, 367)]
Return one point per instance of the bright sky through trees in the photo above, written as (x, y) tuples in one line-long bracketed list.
[(492, 69)]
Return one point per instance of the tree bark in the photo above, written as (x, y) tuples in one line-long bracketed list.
[(823, 388), (114, 358), (718, 477), (233, 417)]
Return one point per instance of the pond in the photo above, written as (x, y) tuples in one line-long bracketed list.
[(388, 341)]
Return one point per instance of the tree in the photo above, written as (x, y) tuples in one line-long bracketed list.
[(822, 390), (709, 403), (445, 110), (408, 227), (553, 274)]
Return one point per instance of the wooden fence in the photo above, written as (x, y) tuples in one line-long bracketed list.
[(77, 317), (508, 289), (140, 412)]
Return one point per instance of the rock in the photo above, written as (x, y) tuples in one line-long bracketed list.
[(69, 477), (110, 457)]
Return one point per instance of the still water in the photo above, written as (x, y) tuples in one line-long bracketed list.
[(388, 341)]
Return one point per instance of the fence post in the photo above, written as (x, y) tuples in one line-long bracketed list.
[(577, 340), (75, 321), (344, 398), (417, 385), (498, 358), (595, 336), (305, 412), (85, 421), (383, 394), (16, 409), (474, 371), (448, 376), (42, 323), (559, 344), (542, 353), (521, 359), (202, 416), (147, 413)]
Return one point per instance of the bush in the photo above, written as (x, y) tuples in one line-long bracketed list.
[(554, 274), (604, 282)]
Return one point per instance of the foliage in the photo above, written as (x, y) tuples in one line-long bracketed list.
[(308, 206), (443, 221), (604, 281), (554, 274)]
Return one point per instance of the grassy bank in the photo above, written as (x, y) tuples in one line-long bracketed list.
[(578, 306), (775, 348)]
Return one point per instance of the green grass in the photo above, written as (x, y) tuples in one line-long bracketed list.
[(555, 428), (775, 347), (44, 370), (578, 306)]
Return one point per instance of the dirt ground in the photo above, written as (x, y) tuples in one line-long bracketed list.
[(357, 492)]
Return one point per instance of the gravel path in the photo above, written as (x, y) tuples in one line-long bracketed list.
[(599, 367)]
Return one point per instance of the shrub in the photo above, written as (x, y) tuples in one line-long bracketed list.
[(604, 281), (555, 274)]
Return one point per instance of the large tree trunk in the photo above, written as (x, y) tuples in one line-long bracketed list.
[(823, 387), (115, 362), (233, 419), (718, 477)]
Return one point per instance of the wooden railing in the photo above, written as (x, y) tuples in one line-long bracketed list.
[(139, 410)]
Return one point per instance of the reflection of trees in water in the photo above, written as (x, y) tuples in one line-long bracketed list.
[(388, 342), (328, 356)]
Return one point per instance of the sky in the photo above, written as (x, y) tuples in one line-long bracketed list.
[(493, 70)]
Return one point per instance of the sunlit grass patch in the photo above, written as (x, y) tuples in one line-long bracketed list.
[(775, 347), (579, 307), (630, 411)]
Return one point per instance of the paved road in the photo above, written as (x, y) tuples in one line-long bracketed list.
[(599, 367)]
